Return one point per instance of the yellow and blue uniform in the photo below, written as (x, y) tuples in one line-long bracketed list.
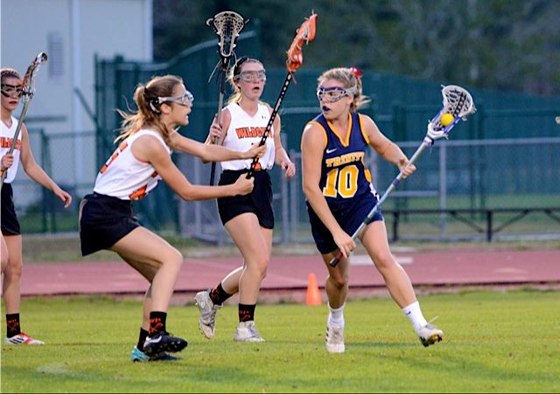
[(345, 180)]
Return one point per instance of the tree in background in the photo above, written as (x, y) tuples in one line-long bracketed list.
[(499, 44)]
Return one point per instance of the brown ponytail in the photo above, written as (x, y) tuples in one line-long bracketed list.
[(148, 114)]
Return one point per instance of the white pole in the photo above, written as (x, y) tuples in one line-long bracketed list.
[(77, 123), (148, 31)]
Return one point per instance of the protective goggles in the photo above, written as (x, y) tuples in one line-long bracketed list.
[(183, 99), (251, 76), (11, 90), (334, 94)]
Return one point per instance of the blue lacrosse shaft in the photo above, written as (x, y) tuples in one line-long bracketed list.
[(425, 143), (431, 136)]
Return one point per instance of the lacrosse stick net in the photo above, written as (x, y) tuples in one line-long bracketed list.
[(28, 88), (304, 34), (457, 102), (227, 25)]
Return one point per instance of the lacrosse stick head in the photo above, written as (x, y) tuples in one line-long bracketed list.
[(28, 82), (227, 25), (304, 34), (458, 103)]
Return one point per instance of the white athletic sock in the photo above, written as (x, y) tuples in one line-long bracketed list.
[(415, 315), (336, 316)]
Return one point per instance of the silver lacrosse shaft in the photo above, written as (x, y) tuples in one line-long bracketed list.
[(28, 92), (427, 142), (218, 119)]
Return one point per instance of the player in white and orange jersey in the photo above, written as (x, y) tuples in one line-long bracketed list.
[(142, 159), (12, 255), (248, 219)]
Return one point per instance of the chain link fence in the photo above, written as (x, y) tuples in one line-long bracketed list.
[(458, 184), (500, 167)]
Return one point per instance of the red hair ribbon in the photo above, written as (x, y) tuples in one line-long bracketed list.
[(357, 73)]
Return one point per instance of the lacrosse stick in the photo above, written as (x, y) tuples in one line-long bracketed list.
[(227, 25), (28, 87), (304, 34), (457, 105)]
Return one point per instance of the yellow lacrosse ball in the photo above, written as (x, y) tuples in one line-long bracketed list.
[(446, 119)]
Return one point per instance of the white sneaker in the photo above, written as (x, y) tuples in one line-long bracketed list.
[(429, 335), (335, 339), (247, 332), (208, 310), (23, 339)]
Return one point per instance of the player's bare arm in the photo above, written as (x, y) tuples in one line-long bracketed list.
[(214, 152), (281, 156), (36, 173), (386, 148), (148, 149)]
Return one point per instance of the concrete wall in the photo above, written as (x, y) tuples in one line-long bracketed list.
[(71, 32)]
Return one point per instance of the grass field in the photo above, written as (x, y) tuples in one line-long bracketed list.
[(494, 342)]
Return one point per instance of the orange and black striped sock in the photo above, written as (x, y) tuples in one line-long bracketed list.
[(246, 312), (219, 295), (157, 322), (12, 325)]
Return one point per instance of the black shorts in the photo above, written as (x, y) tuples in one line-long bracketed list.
[(349, 216), (10, 222), (104, 221), (259, 201)]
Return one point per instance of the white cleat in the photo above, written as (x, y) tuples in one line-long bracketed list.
[(429, 335), (247, 332), (22, 339), (208, 310), (334, 339)]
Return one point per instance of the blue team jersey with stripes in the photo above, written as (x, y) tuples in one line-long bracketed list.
[(344, 176)]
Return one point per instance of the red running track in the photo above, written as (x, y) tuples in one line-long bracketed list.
[(463, 268)]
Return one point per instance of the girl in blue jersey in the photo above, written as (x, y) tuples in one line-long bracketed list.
[(340, 195)]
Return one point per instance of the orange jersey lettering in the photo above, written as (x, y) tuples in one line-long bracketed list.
[(7, 142), (115, 154), (250, 132)]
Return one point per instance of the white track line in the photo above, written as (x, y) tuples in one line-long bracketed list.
[(364, 259)]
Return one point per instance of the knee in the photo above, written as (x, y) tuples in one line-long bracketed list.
[(340, 281), (174, 258), (177, 258), (13, 274), (13, 269), (259, 266), (262, 267), (385, 261)]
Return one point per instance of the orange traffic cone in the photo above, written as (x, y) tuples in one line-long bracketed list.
[(313, 294)]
